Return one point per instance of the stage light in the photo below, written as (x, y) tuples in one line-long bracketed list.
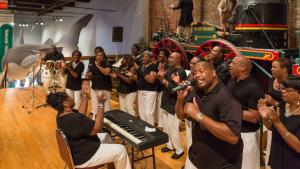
[(42, 23), (61, 19), (12, 23)]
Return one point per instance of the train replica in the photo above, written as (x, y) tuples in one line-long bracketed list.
[(259, 34)]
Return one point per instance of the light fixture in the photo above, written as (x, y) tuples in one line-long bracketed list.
[(61, 19), (26, 25), (20, 25), (42, 23), (12, 23), (23, 25)]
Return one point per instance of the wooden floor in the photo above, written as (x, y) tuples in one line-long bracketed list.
[(28, 141)]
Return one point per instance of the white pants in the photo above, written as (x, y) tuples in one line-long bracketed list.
[(76, 96), (189, 164), (127, 102), (108, 153), (251, 158), (268, 149), (147, 101), (188, 131), (171, 127), (95, 103), (158, 118)]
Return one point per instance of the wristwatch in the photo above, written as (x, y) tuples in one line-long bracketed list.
[(199, 117)]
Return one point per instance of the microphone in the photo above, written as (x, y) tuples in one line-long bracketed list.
[(183, 86)]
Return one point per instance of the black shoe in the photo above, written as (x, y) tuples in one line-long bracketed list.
[(176, 156), (165, 149)]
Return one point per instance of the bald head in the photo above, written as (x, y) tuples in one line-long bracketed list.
[(174, 59), (245, 62), (240, 67)]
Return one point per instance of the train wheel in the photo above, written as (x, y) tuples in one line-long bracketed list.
[(173, 46), (205, 48)]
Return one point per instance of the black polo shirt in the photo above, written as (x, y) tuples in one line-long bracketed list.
[(72, 82), (222, 70), (247, 92), (207, 151), (124, 87), (141, 82), (77, 128), (54, 57), (99, 80), (169, 98)]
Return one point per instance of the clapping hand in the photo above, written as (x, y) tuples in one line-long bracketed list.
[(63, 64), (161, 74), (85, 87), (273, 115), (262, 108), (176, 78), (101, 97)]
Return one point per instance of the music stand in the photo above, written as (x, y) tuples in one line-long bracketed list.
[(30, 103)]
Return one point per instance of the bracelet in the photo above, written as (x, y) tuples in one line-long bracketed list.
[(199, 117), (100, 105), (286, 135)]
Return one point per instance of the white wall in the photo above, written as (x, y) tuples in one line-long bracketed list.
[(132, 15), (31, 35)]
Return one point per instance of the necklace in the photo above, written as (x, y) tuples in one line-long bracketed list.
[(289, 113)]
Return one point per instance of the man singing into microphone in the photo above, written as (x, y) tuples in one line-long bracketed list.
[(216, 120)]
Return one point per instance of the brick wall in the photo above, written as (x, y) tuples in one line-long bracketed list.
[(292, 6), (297, 19), (162, 16)]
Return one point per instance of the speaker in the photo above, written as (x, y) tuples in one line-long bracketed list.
[(117, 34)]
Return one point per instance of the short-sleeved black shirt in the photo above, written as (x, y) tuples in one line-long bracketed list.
[(77, 128), (275, 94), (141, 82), (169, 98), (54, 57), (99, 80), (282, 156), (207, 151), (72, 82), (124, 87), (247, 92)]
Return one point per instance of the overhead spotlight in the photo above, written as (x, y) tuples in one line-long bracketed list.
[(26, 25), (42, 23), (20, 25), (61, 19), (12, 23), (36, 23), (23, 25)]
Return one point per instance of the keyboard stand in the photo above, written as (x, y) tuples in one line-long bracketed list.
[(145, 157)]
